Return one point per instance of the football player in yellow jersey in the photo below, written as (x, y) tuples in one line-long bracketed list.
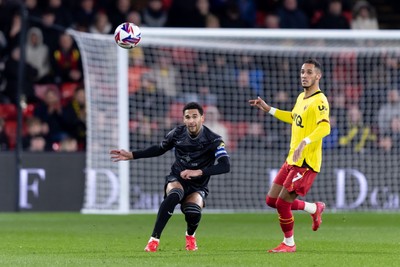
[(310, 123)]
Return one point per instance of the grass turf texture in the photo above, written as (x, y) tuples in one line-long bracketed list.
[(72, 239)]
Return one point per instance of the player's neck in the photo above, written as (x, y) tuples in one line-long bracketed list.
[(310, 91)]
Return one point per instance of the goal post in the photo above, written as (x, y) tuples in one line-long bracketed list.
[(136, 96), (106, 87)]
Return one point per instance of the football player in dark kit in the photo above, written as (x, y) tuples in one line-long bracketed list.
[(199, 153)]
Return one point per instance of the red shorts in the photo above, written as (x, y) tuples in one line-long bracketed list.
[(295, 179)]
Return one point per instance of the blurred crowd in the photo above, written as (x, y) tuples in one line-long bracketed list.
[(53, 93)]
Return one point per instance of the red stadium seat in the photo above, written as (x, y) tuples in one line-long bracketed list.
[(11, 132), (8, 111)]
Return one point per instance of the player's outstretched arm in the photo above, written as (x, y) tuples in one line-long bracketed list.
[(260, 103), (120, 154)]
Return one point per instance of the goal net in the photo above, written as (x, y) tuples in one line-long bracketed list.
[(136, 96)]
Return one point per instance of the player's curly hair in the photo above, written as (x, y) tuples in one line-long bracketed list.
[(193, 105)]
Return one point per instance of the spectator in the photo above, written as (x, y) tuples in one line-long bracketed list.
[(214, 123), (37, 55), (255, 138), (154, 14), (137, 67), (101, 24), (134, 17), (291, 16), (4, 145), (390, 141), (36, 136), (231, 17), (119, 12), (68, 144), (13, 31), (278, 136), (204, 95), (248, 12), (144, 131), (212, 21), (331, 141), (86, 14), (192, 14), (33, 10), (63, 16), (271, 21), (358, 136), (11, 74), (67, 61), (150, 101), (364, 17), (165, 74), (50, 112), (388, 111), (333, 18), (74, 114), (50, 30)]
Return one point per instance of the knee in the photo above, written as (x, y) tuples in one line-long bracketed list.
[(176, 192), (191, 209), (270, 201)]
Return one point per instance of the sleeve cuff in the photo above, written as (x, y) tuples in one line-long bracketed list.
[(272, 111), (307, 140)]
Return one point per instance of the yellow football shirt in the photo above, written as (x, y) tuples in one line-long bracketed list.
[(306, 115)]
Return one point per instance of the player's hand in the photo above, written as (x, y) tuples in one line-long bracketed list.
[(299, 150), (260, 103), (121, 154), (191, 174)]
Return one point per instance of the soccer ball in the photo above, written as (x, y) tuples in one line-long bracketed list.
[(127, 35)]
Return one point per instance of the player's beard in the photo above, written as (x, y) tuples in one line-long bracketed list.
[(193, 130), (305, 87)]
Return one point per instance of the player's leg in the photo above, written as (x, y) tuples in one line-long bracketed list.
[(286, 221), (191, 207), (173, 195), (277, 186)]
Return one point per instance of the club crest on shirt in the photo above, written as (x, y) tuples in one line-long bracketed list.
[(186, 158)]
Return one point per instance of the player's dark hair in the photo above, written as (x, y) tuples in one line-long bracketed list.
[(193, 105), (314, 62)]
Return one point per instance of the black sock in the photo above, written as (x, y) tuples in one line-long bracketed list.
[(166, 210), (192, 213)]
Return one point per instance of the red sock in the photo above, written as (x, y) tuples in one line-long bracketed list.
[(286, 219), (271, 201), (298, 204)]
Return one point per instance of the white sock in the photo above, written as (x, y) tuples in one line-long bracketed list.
[(192, 235), (153, 238), (310, 207), (289, 241)]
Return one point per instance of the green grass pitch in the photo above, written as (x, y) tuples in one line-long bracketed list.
[(73, 239)]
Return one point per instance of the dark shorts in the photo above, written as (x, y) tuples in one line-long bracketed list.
[(295, 179), (188, 188)]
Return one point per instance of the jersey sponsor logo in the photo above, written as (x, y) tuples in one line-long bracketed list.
[(298, 120), (322, 108), (297, 177)]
